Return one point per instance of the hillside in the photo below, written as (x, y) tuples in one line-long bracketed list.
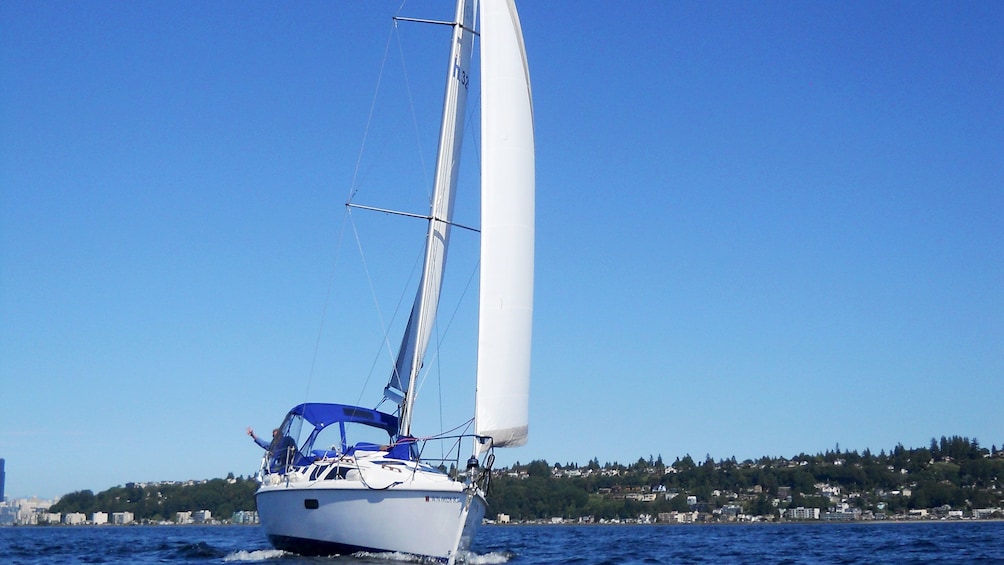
[(953, 474)]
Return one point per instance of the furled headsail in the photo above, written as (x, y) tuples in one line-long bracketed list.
[(507, 229)]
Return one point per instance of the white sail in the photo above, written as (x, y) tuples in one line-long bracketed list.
[(423, 313), (507, 229), (332, 489)]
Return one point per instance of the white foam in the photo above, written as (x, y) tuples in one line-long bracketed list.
[(390, 556), (493, 558), (258, 555)]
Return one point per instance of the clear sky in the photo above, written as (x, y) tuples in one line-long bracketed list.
[(763, 228)]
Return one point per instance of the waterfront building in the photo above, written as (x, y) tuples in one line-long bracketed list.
[(202, 516), (675, 517), (801, 513), (244, 517), (8, 514)]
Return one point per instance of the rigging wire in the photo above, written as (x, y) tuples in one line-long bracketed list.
[(369, 118), (439, 339), (472, 112), (324, 309), (395, 37), (414, 114), (354, 188), (348, 217), (385, 330)]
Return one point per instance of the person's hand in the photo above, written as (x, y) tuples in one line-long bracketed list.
[(250, 432)]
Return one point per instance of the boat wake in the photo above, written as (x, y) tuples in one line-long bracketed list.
[(244, 556), (197, 550), (466, 557), (491, 558), (373, 557)]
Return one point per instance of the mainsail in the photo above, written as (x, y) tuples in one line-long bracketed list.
[(423, 312), (507, 229)]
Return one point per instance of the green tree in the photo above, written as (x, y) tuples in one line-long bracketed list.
[(538, 468), (679, 503)]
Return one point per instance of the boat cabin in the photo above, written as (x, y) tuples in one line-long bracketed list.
[(314, 431)]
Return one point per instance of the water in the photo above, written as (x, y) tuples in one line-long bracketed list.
[(957, 542)]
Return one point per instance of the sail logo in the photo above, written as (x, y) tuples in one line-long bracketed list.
[(459, 73)]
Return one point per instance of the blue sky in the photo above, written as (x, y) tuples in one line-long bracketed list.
[(762, 228)]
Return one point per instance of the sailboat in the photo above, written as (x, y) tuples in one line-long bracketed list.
[(341, 479)]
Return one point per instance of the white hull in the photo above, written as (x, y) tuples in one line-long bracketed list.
[(427, 514)]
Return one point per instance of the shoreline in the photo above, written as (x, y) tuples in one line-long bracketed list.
[(565, 524), (760, 523)]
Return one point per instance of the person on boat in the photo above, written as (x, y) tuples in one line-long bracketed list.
[(281, 450), (262, 443)]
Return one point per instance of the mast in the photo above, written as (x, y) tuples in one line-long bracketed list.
[(401, 387)]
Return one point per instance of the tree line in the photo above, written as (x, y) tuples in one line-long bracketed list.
[(162, 501), (954, 471)]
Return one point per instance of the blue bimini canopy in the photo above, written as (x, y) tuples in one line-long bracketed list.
[(321, 415)]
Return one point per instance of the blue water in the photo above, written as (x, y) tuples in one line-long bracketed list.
[(956, 542)]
